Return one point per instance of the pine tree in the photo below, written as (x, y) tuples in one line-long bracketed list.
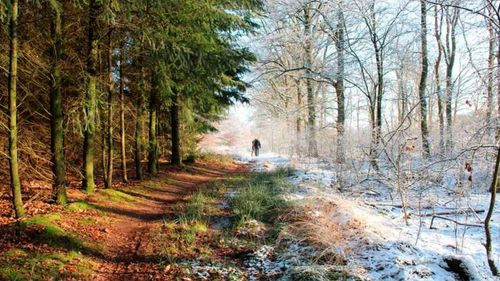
[(90, 102), (56, 109)]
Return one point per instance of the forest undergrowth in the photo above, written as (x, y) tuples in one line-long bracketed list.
[(209, 220)]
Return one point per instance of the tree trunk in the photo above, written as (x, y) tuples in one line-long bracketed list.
[(298, 128), (498, 85), (339, 84), (176, 157), (15, 182), (311, 98), (379, 98), (153, 142), (56, 111), (401, 95), (437, 35), (491, 66), (376, 113), (423, 81), (451, 21), (122, 120), (491, 209), (139, 145), (90, 103), (109, 139)]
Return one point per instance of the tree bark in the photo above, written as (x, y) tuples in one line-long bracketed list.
[(15, 182), (376, 113), (123, 144), (298, 125), (451, 23), (498, 85), (311, 98), (423, 80), (339, 84), (109, 139), (489, 214), (56, 110), (90, 103), (139, 145), (491, 66), (437, 35), (153, 141), (176, 157), (402, 96)]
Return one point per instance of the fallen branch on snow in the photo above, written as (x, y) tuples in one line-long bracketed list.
[(456, 212), (452, 220)]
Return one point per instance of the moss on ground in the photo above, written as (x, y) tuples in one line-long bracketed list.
[(118, 196), (80, 206), (53, 235), (19, 264)]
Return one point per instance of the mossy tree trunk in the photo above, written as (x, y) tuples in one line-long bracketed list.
[(176, 157), (56, 110), (90, 102), (15, 182)]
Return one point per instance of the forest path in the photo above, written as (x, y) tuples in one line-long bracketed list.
[(128, 242)]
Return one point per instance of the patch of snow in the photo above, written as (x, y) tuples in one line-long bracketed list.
[(396, 251)]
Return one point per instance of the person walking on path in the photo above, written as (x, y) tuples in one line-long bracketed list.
[(255, 147)]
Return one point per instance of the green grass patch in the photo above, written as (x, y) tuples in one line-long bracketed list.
[(207, 156), (200, 208), (175, 241), (18, 264), (118, 196), (261, 197), (214, 157)]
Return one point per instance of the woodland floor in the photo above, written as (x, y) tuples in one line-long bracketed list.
[(139, 231)]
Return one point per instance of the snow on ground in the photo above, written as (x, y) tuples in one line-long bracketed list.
[(410, 252), (385, 247)]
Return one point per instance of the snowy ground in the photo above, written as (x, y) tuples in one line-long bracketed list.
[(379, 244)]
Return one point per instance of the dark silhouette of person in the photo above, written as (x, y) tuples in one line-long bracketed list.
[(255, 147)]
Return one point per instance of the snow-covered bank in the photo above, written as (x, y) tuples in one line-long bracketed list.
[(372, 235)]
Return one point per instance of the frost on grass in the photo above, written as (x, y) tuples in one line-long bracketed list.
[(346, 215), (379, 245)]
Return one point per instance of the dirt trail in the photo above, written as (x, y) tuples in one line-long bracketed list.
[(126, 240)]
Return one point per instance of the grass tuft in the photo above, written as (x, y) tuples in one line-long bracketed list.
[(262, 197), (214, 157), (318, 273)]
